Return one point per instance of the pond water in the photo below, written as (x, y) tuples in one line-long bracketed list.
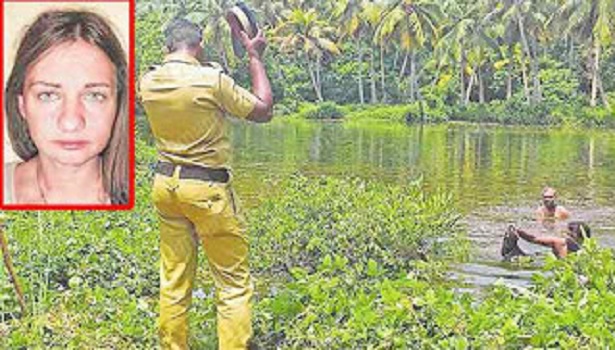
[(495, 173)]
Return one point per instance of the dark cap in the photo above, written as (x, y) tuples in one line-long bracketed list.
[(241, 18)]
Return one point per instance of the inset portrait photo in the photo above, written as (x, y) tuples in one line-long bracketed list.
[(68, 112)]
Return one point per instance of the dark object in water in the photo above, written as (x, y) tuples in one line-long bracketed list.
[(510, 248)]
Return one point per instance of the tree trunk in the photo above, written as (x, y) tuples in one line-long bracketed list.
[(413, 76), (509, 72), (383, 93), (313, 79), (605, 100), (318, 80), (481, 85), (595, 71), (535, 69), (524, 76), (462, 70), (404, 63), (469, 91), (571, 58), (360, 71), (528, 54), (526, 83), (395, 60), (372, 76)]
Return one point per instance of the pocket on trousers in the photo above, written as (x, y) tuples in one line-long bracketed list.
[(210, 196)]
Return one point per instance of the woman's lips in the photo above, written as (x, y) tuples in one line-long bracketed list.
[(71, 145)]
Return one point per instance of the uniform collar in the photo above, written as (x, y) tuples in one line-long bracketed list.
[(181, 57)]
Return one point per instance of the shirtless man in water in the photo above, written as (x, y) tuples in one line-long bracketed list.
[(550, 211), (561, 246)]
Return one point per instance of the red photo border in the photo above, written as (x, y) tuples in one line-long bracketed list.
[(131, 121)]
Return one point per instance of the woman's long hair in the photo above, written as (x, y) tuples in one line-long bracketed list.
[(50, 29)]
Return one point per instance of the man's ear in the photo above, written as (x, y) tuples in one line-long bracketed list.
[(21, 106)]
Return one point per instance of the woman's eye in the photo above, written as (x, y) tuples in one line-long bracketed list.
[(48, 96), (95, 96)]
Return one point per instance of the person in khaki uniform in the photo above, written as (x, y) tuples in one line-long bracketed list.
[(185, 103)]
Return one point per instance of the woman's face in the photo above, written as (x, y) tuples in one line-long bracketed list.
[(69, 102)]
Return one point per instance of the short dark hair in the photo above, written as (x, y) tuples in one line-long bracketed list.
[(580, 229), (181, 32)]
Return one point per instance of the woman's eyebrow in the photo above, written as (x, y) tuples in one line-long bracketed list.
[(91, 85), (45, 83), (57, 86)]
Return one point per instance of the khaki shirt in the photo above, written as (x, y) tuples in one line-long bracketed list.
[(185, 104)]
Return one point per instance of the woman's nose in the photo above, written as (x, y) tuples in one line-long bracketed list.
[(72, 117)]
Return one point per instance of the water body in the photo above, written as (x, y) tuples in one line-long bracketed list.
[(495, 173)]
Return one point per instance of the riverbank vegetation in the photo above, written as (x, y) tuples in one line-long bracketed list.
[(500, 112), (339, 263), (512, 62)]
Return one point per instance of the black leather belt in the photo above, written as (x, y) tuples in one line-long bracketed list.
[(193, 172)]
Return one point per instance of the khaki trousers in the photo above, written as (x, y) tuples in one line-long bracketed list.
[(191, 211)]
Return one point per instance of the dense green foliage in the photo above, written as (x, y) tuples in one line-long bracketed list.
[(325, 110), (514, 62), (513, 112), (339, 264), (570, 307), (353, 221)]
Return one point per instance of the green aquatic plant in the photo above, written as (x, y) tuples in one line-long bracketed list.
[(356, 219)]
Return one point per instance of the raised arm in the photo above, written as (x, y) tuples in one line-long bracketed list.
[(261, 87)]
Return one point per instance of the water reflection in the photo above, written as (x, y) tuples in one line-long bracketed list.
[(480, 165), (495, 173)]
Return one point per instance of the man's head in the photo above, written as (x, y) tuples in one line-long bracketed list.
[(548, 198), (578, 230), (181, 34)]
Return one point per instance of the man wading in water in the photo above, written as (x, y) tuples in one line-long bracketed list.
[(550, 211), (185, 102)]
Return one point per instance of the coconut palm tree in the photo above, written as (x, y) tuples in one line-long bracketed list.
[(453, 46), (350, 14), (371, 15), (413, 23), (305, 34), (593, 20), (529, 16)]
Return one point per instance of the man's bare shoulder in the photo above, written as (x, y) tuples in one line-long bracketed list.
[(561, 212)]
